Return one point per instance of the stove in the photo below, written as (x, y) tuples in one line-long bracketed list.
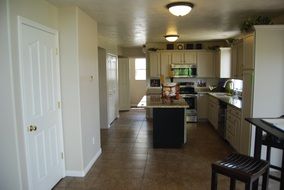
[(187, 91)]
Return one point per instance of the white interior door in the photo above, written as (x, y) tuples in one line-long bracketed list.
[(41, 110), (123, 84), (112, 88)]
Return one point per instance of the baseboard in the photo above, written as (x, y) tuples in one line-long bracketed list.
[(91, 163), (76, 173)]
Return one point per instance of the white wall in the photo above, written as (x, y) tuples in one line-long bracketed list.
[(9, 166), (137, 87), (89, 87), (80, 97)]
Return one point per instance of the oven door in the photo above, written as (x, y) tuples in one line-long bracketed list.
[(191, 112)]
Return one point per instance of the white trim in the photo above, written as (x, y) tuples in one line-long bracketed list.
[(272, 27), (76, 173), (91, 163), (23, 21)]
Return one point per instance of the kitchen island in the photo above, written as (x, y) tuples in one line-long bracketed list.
[(168, 120)]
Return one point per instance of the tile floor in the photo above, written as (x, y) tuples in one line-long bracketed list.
[(128, 161)]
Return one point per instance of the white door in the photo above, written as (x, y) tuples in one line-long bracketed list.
[(112, 89), (123, 84), (39, 69)]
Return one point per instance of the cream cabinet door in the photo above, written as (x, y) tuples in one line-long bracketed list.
[(205, 64), (154, 64), (248, 45), (190, 57), (234, 58), (202, 106), (178, 57), (166, 61), (240, 60)]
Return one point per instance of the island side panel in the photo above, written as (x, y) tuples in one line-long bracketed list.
[(168, 127)]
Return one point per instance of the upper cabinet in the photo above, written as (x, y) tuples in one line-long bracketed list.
[(166, 61), (237, 60), (223, 63), (160, 62), (205, 64), (184, 57), (190, 57), (248, 50), (154, 64)]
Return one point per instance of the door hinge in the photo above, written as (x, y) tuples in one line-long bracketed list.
[(58, 104), (62, 155), (56, 51)]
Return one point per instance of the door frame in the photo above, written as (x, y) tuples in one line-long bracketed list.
[(24, 21)]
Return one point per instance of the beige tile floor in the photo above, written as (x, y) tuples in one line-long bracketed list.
[(128, 161)]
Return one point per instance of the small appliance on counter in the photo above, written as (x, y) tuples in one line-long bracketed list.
[(155, 82), (170, 90)]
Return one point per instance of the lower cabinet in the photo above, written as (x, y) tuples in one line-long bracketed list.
[(202, 106), (213, 111), (233, 127)]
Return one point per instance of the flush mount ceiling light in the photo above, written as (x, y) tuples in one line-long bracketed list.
[(172, 37), (180, 8)]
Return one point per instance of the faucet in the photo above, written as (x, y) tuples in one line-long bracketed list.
[(232, 82)]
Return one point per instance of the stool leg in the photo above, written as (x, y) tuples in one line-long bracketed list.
[(282, 172), (249, 186), (268, 155), (265, 179), (214, 181), (232, 184)]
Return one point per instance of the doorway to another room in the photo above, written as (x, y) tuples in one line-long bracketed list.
[(137, 77)]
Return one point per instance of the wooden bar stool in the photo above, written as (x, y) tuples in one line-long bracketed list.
[(243, 168), (272, 142)]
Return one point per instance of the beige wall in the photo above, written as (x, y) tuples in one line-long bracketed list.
[(79, 76), (108, 44), (132, 52), (10, 177), (137, 87), (69, 70), (89, 88)]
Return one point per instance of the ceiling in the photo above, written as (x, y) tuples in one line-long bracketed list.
[(136, 22)]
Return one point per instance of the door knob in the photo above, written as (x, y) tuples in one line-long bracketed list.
[(32, 128)]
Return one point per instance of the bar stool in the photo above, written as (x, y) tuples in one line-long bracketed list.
[(272, 142), (243, 168)]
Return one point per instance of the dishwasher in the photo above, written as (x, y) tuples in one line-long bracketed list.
[(222, 119)]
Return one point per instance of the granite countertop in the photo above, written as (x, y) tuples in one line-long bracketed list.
[(155, 101), (231, 100)]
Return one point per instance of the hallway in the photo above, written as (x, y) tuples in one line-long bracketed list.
[(129, 162)]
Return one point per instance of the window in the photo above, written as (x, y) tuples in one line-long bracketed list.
[(140, 69)]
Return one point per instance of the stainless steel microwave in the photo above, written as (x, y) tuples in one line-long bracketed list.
[(183, 70)]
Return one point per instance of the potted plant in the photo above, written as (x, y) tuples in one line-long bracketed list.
[(247, 25)]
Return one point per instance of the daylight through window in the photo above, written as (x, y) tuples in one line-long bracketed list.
[(140, 69)]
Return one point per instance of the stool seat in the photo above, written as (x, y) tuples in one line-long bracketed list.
[(240, 167)]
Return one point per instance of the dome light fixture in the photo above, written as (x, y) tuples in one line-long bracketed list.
[(180, 8), (172, 37)]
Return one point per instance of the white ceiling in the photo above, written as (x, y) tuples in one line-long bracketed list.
[(136, 22)]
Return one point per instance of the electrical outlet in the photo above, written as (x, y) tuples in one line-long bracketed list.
[(93, 140)]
